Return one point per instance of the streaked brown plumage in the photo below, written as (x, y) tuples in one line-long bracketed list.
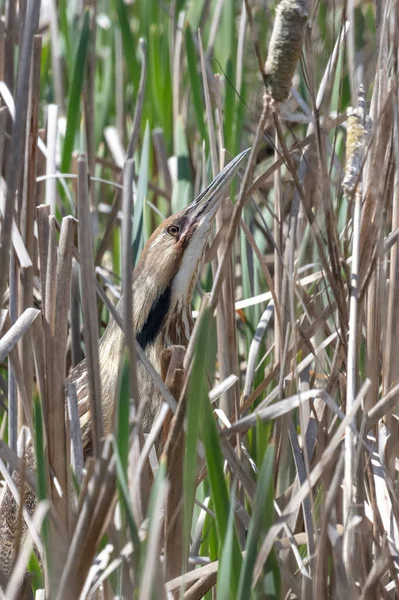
[(163, 284)]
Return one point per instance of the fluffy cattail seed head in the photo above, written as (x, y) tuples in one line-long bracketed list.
[(285, 47), (357, 134)]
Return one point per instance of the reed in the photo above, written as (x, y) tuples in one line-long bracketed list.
[(276, 474)]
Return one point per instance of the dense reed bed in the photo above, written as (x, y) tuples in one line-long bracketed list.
[(277, 474)]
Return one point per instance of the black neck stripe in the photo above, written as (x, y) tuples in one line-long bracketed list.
[(155, 319)]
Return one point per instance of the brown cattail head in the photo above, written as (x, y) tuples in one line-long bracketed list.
[(285, 47), (357, 134)]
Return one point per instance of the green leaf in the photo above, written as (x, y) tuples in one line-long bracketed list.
[(262, 519), (123, 410), (224, 41), (154, 506), (206, 347), (230, 108), (159, 110), (128, 43), (116, 252), (214, 461), (124, 498), (39, 450), (73, 116), (224, 574), (197, 395), (103, 99), (65, 33), (194, 13), (41, 476), (35, 571)]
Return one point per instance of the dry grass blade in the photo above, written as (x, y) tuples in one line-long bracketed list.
[(95, 509), (28, 205), (90, 324), (58, 446), (201, 587), (273, 412), (312, 479), (385, 509), (383, 407), (309, 229), (184, 580), (18, 374), (17, 331), (222, 387)]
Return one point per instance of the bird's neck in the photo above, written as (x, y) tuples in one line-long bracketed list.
[(160, 316), (160, 319)]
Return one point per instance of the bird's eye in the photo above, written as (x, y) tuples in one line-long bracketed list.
[(173, 230)]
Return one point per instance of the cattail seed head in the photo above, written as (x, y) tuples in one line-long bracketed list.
[(357, 133), (285, 47)]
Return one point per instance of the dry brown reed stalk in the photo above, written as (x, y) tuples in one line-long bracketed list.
[(15, 157), (90, 324), (311, 342), (173, 453), (27, 209), (50, 369), (355, 150), (96, 506), (127, 269)]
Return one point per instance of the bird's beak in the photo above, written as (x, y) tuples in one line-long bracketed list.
[(204, 207)]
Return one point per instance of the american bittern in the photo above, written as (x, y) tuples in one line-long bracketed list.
[(163, 284)]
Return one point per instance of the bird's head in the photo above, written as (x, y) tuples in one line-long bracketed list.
[(169, 264)]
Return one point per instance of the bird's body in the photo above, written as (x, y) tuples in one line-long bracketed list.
[(161, 318), (163, 284)]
